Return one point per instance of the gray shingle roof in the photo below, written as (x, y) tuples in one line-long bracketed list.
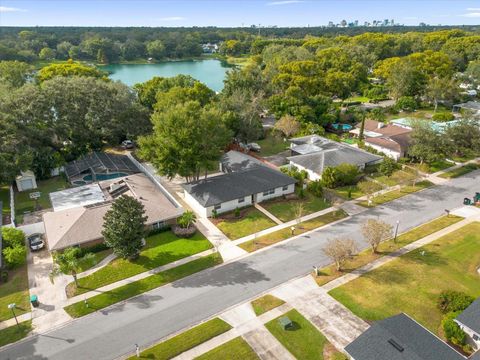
[(234, 161), (400, 338), (470, 317), (334, 156), (235, 185)]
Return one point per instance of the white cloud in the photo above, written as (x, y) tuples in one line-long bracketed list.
[(173, 18), (410, 18), (5, 9), (472, 15), (473, 9), (284, 2)]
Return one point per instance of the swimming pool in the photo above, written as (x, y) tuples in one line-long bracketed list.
[(101, 177), (344, 127)]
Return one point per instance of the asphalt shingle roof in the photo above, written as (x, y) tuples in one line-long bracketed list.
[(400, 338), (470, 317), (219, 189), (234, 161)]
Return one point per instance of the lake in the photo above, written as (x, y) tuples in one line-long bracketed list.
[(210, 72)]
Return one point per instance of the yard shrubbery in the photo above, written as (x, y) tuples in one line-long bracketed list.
[(341, 175), (14, 249)]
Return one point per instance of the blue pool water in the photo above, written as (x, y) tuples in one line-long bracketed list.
[(344, 127), (100, 177)]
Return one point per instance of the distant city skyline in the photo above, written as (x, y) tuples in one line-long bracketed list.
[(229, 13)]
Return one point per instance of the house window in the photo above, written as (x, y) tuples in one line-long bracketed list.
[(218, 207), (242, 200), (159, 225), (269, 192), (475, 337), (285, 188)]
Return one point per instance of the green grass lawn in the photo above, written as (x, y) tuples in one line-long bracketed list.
[(413, 282), (151, 282), (286, 233), (236, 349), (355, 191), (99, 256), (250, 221), (330, 273), (15, 290), (185, 341), (459, 171), (439, 165), (23, 203), (303, 339), (160, 249), (285, 210), (386, 180), (5, 199), (266, 303), (395, 194), (272, 144), (14, 333), (362, 99)]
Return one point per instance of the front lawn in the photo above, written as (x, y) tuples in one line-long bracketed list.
[(365, 257), (160, 249), (395, 194), (15, 333), (413, 282), (387, 180), (24, 204), (15, 290), (439, 165), (99, 256), (460, 171), (250, 221), (236, 349), (151, 282), (186, 340), (353, 191), (286, 233), (272, 144), (265, 304), (303, 339), (285, 210)]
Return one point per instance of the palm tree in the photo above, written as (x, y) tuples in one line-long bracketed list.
[(69, 262), (187, 219)]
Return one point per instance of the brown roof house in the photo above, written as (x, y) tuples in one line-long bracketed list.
[(77, 219), (389, 139)]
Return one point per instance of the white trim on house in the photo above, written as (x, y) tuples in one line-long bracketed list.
[(473, 337)]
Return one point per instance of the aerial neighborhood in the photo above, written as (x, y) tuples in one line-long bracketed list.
[(254, 192)]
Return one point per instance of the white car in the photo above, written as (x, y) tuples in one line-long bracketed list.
[(35, 242), (127, 144), (254, 147)]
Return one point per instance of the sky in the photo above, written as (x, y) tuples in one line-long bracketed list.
[(233, 13)]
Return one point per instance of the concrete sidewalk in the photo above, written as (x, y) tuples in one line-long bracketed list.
[(268, 214)]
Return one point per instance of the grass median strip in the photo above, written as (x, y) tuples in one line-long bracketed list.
[(463, 170), (396, 194), (15, 290), (286, 233), (186, 340), (266, 303), (160, 250), (15, 333), (236, 349), (330, 272), (138, 287)]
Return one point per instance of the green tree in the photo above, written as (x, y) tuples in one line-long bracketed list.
[(463, 137), (46, 54), (124, 227), (156, 49), (14, 256), (69, 69), (330, 176), (69, 262), (388, 166), (426, 144), (12, 237), (187, 219), (14, 73), (288, 125), (441, 89)]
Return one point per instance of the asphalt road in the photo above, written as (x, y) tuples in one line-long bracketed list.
[(145, 319)]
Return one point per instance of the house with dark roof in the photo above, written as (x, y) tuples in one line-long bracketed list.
[(469, 322), (314, 153), (233, 190), (400, 338), (235, 161)]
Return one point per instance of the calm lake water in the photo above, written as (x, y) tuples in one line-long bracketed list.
[(210, 72)]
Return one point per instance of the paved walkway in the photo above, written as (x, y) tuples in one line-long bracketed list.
[(435, 177), (268, 214)]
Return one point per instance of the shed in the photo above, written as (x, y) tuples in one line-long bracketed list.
[(26, 181)]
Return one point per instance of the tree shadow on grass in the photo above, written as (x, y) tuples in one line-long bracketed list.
[(426, 257)]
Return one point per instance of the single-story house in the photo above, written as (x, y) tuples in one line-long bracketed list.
[(389, 139), (400, 338), (469, 322), (77, 219), (472, 106), (233, 190), (234, 161), (98, 166), (314, 153), (26, 181)]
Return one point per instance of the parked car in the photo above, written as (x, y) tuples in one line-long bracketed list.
[(35, 242), (254, 147), (127, 144)]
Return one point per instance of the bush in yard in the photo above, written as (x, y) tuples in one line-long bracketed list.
[(388, 166), (406, 103), (315, 187), (348, 174), (69, 262), (452, 331), (236, 212), (14, 256), (124, 227), (12, 237), (443, 116), (186, 219), (451, 301), (214, 213), (330, 177)]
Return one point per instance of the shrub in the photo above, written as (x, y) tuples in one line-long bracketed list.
[(388, 166), (15, 256), (214, 213), (315, 187), (452, 331), (348, 174), (12, 237), (94, 248), (406, 103), (3, 276), (186, 219), (330, 177), (443, 116), (184, 232), (451, 301), (301, 193), (236, 212)]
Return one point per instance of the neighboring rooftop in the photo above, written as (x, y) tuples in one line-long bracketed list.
[(77, 196), (81, 224), (400, 338), (100, 162), (469, 105), (398, 143), (470, 317), (219, 189), (234, 161), (377, 129)]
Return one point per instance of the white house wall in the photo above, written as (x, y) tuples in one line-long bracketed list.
[(278, 192), (311, 174), (470, 334), (230, 205), (195, 205), (390, 153)]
